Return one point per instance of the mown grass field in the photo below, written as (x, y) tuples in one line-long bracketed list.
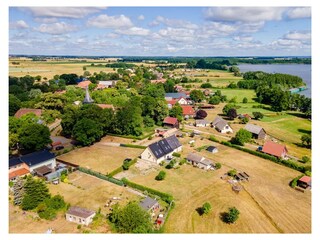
[(268, 205), (100, 157)]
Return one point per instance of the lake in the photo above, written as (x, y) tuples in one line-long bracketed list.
[(301, 70)]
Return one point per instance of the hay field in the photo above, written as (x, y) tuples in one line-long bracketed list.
[(101, 158), (268, 205)]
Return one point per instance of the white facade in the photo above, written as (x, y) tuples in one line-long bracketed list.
[(80, 220), (51, 163), (227, 129), (182, 101), (149, 156)]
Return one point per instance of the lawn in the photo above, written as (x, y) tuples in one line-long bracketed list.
[(268, 205), (83, 190), (100, 157)]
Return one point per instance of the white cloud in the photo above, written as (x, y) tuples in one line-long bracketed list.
[(63, 12), (244, 14), (243, 38), (56, 28), (300, 12), (177, 23), (20, 24), (105, 21), (296, 35), (45, 20), (177, 34), (134, 31), (141, 17)]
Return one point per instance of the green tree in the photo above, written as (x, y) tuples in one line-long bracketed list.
[(36, 191), (305, 159), (206, 208), (161, 176), (197, 95), (176, 111), (34, 93), (232, 113), (232, 172), (14, 104), (160, 111), (218, 165), (232, 215), (87, 131), (242, 136), (306, 140), (51, 101), (258, 115), (215, 100), (227, 107), (169, 86), (245, 100), (69, 119), (130, 219), (34, 136)]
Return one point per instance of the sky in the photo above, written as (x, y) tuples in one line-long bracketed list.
[(160, 31)]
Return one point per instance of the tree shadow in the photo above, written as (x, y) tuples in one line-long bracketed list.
[(297, 114), (302, 145), (200, 211), (223, 217), (304, 131)]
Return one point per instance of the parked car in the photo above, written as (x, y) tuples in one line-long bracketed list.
[(59, 147)]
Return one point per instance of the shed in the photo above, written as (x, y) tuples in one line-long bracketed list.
[(304, 182), (212, 149), (171, 122), (149, 204), (80, 215), (257, 131)]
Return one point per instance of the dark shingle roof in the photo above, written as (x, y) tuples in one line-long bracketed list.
[(148, 203), (14, 162), (176, 95), (164, 146), (211, 148), (34, 158), (253, 128)]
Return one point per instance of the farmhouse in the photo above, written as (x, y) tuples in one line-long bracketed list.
[(202, 123), (187, 111), (275, 149), (221, 125), (181, 101), (24, 111), (171, 122), (17, 168), (257, 131), (149, 204), (84, 84), (106, 84), (172, 96), (304, 182), (162, 150), (80, 215), (35, 160), (199, 161), (212, 149)]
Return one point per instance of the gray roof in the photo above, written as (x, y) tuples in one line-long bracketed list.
[(211, 148), (253, 128), (202, 121), (206, 162), (220, 123), (106, 83), (32, 159), (164, 146), (176, 95), (148, 203), (80, 212), (194, 157)]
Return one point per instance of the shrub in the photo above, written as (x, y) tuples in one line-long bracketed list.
[(182, 161), (171, 164), (206, 207), (232, 172), (218, 165), (161, 176), (206, 85), (175, 154), (232, 215), (305, 159), (258, 115), (125, 165), (213, 138), (245, 100), (79, 226)]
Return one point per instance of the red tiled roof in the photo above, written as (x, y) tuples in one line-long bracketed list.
[(23, 111), (170, 120), (187, 110), (172, 102), (247, 115), (274, 149), (84, 84), (103, 106), (305, 179), (19, 172), (101, 86), (159, 81)]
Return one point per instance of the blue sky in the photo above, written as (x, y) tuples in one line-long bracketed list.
[(160, 31)]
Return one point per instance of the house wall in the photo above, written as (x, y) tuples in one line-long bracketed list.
[(183, 101), (17, 167), (261, 135), (79, 220), (148, 155), (51, 163), (227, 129)]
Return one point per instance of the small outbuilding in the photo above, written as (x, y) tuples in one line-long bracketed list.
[(212, 149), (80, 215), (202, 123), (171, 122), (149, 204), (304, 182), (256, 131)]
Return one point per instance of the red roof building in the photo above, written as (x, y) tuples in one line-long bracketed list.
[(158, 81), (172, 102), (275, 149), (187, 110), (305, 182), (84, 84), (23, 111), (171, 122), (18, 173)]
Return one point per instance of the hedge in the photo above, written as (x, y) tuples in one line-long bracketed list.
[(120, 169), (132, 137), (286, 163), (175, 154), (164, 196), (213, 139), (294, 181), (101, 176), (132, 146)]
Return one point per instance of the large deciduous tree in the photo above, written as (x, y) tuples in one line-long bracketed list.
[(87, 131), (34, 136), (197, 95), (242, 136)]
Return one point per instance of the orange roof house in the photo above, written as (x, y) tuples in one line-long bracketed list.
[(187, 110), (275, 149), (84, 84)]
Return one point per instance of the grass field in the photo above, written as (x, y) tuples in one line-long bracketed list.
[(84, 191), (101, 158), (268, 205)]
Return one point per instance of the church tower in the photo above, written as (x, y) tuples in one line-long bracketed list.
[(87, 99)]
